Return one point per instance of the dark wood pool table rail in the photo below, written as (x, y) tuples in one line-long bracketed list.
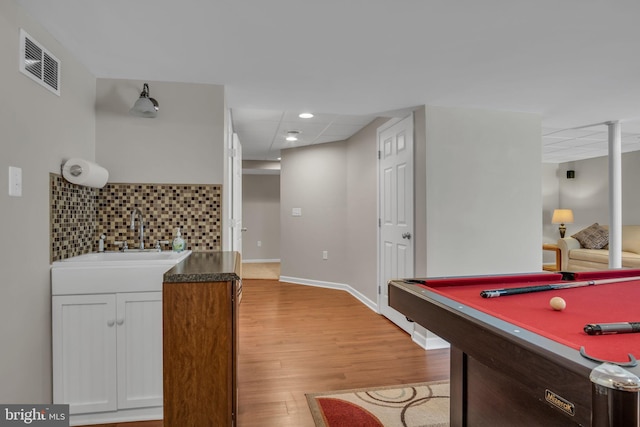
[(493, 367)]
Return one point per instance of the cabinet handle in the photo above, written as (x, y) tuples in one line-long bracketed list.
[(111, 322), (120, 321)]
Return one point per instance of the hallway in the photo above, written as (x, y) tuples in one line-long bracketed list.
[(298, 339)]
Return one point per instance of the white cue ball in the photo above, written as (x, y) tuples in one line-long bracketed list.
[(558, 303)]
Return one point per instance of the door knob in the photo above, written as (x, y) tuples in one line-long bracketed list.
[(406, 235)]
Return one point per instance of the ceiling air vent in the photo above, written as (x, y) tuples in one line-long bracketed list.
[(38, 63)]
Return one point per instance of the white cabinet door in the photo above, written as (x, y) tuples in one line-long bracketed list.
[(139, 320), (84, 362)]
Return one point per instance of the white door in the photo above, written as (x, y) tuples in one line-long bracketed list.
[(84, 352), (236, 195), (395, 188), (139, 326)]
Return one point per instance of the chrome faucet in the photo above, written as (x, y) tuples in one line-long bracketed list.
[(141, 221)]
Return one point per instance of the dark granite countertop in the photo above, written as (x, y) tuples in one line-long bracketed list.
[(205, 267)]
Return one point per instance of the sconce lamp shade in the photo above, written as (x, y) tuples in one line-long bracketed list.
[(145, 106), (562, 217)]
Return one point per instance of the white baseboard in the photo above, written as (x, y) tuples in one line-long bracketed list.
[(429, 341), (254, 261), (419, 338), (435, 343), (331, 285)]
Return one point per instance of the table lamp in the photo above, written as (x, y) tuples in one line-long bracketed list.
[(562, 217)]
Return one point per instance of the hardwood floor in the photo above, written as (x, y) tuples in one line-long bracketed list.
[(297, 339)]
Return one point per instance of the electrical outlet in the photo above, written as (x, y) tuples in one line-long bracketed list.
[(259, 243), (325, 254)]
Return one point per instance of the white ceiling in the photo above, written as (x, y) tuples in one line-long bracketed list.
[(262, 133), (574, 62), (566, 145)]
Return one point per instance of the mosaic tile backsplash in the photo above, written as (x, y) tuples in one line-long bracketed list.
[(72, 210), (78, 220)]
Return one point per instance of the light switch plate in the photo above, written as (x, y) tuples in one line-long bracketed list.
[(296, 212), (15, 181)]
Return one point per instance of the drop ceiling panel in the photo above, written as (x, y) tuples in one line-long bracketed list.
[(242, 115), (356, 120), (317, 117), (324, 139), (342, 130), (307, 129), (268, 130), (564, 145)]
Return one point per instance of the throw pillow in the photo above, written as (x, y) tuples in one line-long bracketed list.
[(593, 237)]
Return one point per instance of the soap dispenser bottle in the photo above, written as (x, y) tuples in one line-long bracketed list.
[(178, 242)]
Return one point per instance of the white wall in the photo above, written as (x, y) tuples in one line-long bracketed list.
[(550, 201), (362, 210), (39, 131), (261, 217), (483, 192), (420, 191), (183, 144), (477, 164), (336, 186), (313, 178), (588, 193)]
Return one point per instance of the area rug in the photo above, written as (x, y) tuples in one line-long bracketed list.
[(261, 270), (407, 405)]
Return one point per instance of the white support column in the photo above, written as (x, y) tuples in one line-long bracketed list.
[(615, 195)]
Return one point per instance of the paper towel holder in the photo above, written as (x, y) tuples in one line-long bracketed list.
[(74, 170), (84, 172)]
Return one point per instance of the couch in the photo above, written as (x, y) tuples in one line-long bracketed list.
[(582, 256)]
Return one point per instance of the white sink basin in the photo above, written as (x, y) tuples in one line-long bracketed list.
[(130, 256), (113, 272)]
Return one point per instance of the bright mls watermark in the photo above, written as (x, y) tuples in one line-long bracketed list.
[(34, 415)]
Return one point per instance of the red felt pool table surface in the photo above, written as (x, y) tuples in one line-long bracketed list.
[(606, 303)]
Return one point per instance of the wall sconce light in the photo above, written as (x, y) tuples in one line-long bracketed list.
[(562, 217), (145, 106), (571, 174)]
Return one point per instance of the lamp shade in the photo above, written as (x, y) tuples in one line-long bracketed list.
[(145, 106), (562, 216)]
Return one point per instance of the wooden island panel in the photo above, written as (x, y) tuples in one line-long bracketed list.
[(200, 348)]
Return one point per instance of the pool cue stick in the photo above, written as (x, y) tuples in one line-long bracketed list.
[(611, 328), (494, 293)]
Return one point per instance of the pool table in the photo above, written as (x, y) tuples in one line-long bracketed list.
[(515, 361)]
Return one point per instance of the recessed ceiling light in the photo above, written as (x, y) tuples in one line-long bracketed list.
[(305, 115), (292, 135)]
